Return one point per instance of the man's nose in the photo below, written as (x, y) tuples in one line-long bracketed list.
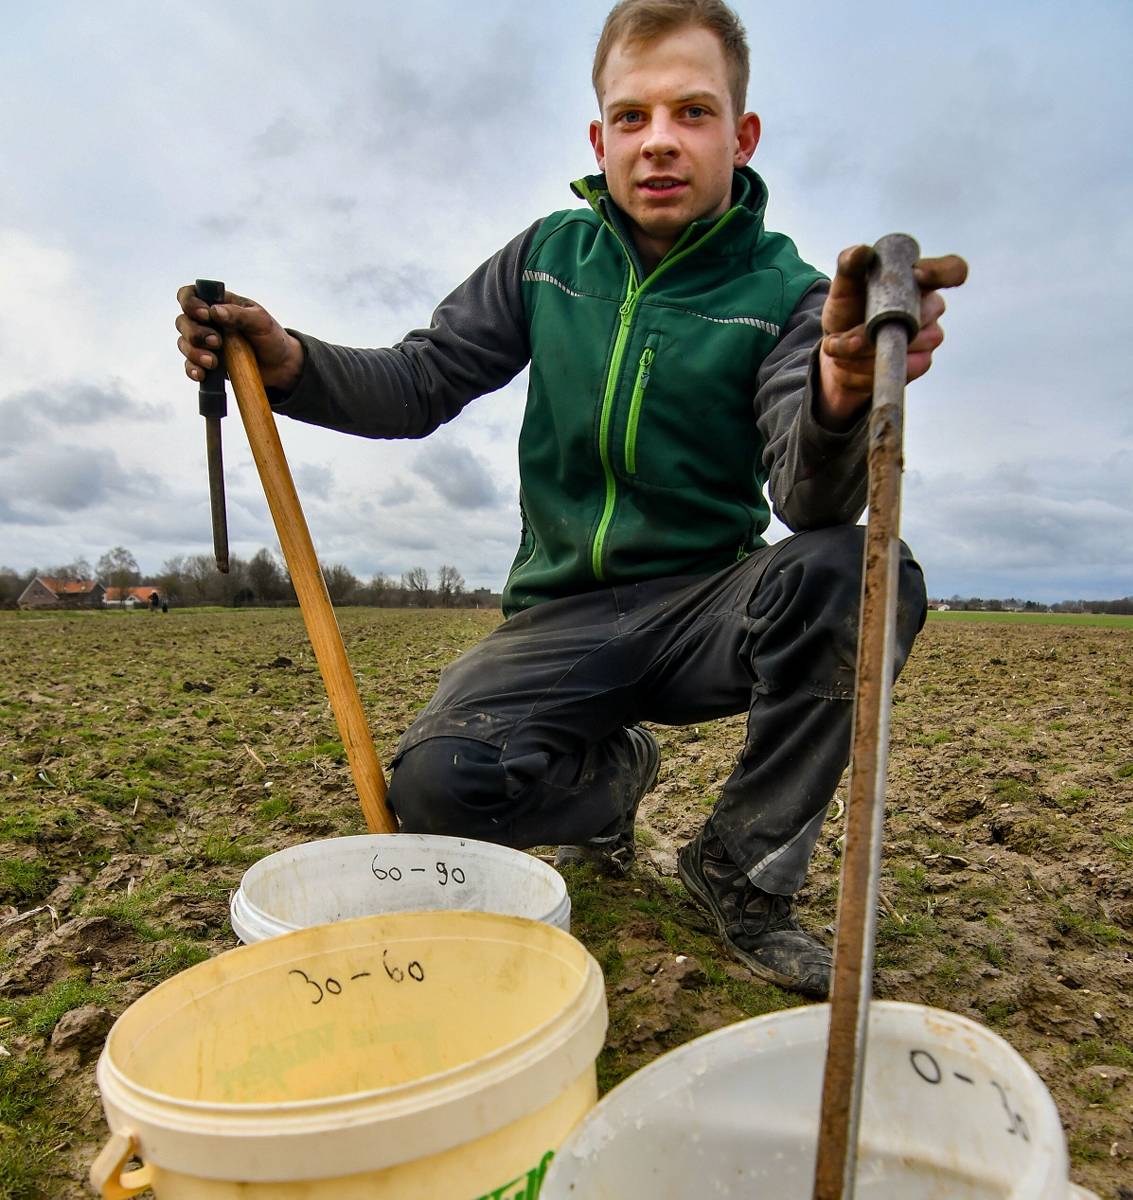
[(661, 139)]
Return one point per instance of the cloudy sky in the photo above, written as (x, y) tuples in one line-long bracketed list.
[(347, 163)]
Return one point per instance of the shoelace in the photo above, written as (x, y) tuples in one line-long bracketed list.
[(774, 910)]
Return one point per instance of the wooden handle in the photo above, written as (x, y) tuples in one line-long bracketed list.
[(307, 578)]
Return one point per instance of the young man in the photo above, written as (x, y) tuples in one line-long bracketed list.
[(681, 356)]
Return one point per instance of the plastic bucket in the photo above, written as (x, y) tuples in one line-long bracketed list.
[(949, 1110), (440, 1054), (340, 878)]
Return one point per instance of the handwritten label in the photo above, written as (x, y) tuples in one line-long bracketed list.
[(331, 986), (927, 1068), (436, 872)]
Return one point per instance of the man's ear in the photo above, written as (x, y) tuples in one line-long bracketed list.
[(747, 138), (599, 147)]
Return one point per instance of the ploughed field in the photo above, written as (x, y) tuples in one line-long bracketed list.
[(147, 760)]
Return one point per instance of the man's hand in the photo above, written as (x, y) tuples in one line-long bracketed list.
[(846, 357), (279, 354)]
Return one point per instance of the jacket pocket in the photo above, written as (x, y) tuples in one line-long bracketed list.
[(637, 397)]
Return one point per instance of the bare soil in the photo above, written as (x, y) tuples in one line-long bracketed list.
[(146, 760)]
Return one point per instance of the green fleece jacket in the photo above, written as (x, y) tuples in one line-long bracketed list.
[(659, 403)]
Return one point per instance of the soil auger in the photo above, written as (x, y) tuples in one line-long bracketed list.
[(239, 360), (892, 319)]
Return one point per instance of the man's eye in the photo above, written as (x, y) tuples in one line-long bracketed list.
[(695, 111), (630, 118)]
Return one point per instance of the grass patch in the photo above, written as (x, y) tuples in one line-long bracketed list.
[(37, 824), (1097, 933), (995, 954), (273, 807), (40, 1014), (223, 849), (22, 881), (333, 750), (911, 880), (1086, 1148), (1019, 732), (1122, 843), (178, 955), (27, 1131), (1073, 799), (950, 972), (1097, 1093), (1092, 1052), (998, 1012)]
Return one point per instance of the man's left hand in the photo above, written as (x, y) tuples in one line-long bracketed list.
[(846, 356)]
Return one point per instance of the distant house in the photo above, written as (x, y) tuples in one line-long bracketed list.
[(46, 592), (148, 595)]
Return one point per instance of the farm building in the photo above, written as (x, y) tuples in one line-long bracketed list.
[(145, 596), (47, 592)]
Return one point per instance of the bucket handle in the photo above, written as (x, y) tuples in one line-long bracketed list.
[(106, 1171)]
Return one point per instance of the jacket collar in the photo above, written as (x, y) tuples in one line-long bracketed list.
[(749, 201)]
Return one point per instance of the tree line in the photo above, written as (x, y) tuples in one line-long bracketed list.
[(1122, 607), (192, 579)]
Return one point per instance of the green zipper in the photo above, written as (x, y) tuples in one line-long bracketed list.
[(625, 314), (644, 365)]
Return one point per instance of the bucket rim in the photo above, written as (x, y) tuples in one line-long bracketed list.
[(517, 1052), (292, 1141), (253, 923), (617, 1105)]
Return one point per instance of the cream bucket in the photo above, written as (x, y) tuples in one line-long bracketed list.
[(949, 1112), (440, 1055), (339, 878)]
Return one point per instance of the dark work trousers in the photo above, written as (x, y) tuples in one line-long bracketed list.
[(524, 742)]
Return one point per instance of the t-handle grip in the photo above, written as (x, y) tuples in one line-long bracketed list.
[(211, 396)]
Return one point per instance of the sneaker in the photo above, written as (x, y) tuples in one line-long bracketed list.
[(614, 854), (759, 928)]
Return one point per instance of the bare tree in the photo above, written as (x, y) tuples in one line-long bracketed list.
[(266, 577), (12, 584), (200, 570), (341, 582), (416, 583), (380, 590), (72, 572), (450, 586), (171, 578), (118, 568)]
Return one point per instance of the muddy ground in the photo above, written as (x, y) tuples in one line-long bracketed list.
[(146, 760)]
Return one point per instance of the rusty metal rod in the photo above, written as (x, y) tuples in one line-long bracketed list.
[(215, 452), (893, 316)]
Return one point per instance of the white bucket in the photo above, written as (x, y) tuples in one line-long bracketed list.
[(949, 1110), (340, 878), (428, 1054)]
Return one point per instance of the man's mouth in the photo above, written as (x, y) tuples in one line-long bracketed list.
[(661, 186)]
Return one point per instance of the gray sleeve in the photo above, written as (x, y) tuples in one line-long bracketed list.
[(815, 477), (476, 343)]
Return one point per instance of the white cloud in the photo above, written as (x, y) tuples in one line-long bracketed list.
[(377, 156)]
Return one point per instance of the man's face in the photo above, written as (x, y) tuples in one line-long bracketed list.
[(668, 139)]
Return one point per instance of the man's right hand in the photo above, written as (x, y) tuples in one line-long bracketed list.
[(279, 353)]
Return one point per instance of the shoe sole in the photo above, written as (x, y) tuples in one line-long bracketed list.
[(758, 969)]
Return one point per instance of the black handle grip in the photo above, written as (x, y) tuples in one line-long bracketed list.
[(211, 396)]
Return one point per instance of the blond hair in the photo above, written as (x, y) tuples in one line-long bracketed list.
[(644, 21)]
